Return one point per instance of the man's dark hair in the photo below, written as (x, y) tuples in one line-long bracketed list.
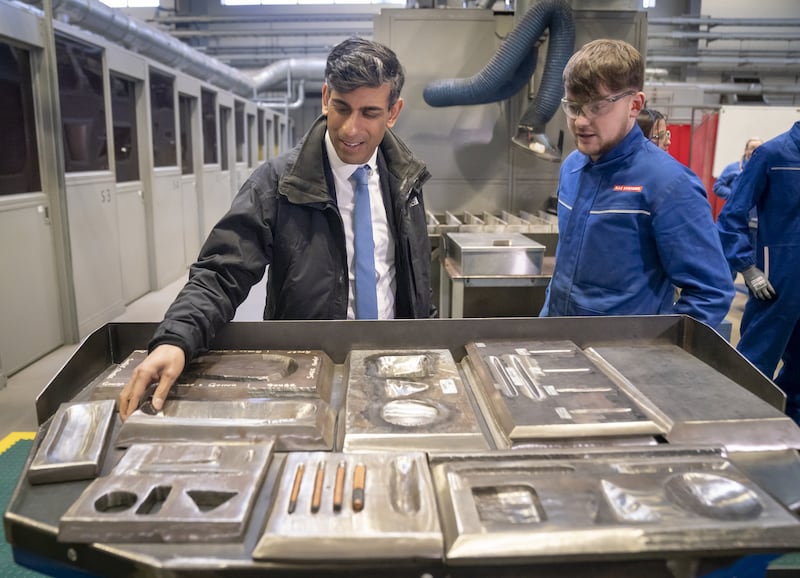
[(355, 63), (647, 120)]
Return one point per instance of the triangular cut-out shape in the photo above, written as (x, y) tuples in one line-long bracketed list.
[(207, 500)]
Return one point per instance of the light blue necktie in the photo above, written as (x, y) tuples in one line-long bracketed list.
[(364, 248)]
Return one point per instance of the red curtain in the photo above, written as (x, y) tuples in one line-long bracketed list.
[(695, 149)]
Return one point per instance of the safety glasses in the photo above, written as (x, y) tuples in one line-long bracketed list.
[(660, 136), (593, 109)]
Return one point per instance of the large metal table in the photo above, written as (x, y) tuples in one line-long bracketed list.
[(745, 424)]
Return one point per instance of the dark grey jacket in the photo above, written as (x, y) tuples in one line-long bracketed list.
[(286, 216)]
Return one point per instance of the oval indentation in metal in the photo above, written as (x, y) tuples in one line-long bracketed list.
[(409, 413), (713, 496)]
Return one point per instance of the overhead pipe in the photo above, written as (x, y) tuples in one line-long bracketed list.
[(277, 72), (739, 36), (731, 87), (301, 98), (738, 61), (707, 21), (134, 34), (511, 68), (114, 25)]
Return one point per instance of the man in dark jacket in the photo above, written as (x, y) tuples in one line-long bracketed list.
[(296, 214)]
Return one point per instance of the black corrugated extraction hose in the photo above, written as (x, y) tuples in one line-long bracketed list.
[(511, 68)]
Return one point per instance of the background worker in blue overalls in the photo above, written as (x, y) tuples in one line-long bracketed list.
[(770, 331)]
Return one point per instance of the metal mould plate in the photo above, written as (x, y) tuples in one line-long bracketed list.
[(408, 399), (509, 508), (75, 443), (494, 253), (171, 493), (669, 376), (237, 374), (304, 424), (320, 514), (552, 389)]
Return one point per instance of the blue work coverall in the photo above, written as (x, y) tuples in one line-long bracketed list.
[(633, 227), (769, 330), (723, 186)]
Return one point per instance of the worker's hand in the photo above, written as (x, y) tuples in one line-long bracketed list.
[(757, 283), (164, 364)]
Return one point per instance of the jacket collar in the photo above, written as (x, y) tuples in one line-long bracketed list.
[(623, 148), (305, 179)]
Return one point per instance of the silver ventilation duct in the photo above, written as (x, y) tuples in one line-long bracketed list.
[(287, 102), (134, 34), (94, 16), (287, 70)]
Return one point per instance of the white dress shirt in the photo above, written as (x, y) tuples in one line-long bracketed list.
[(381, 232)]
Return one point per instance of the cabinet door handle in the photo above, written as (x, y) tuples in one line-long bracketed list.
[(45, 211)]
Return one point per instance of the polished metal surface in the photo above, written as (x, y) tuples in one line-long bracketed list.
[(494, 253), (619, 500), (171, 493), (504, 222), (702, 405), (537, 390), (306, 424), (231, 375), (75, 443), (410, 399), (604, 503), (396, 518)]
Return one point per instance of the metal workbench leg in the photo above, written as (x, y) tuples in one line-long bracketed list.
[(457, 305), (444, 292)]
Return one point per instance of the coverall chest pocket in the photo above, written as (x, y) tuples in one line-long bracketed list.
[(615, 243)]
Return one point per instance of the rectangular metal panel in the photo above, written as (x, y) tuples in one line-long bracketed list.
[(188, 85), (234, 375), (75, 443), (191, 218), (214, 197), (494, 253), (125, 62), (20, 25), (30, 319), (537, 390), (306, 424), (134, 254), (665, 373), (225, 395), (171, 493), (322, 511), (94, 243), (410, 399), (167, 215), (604, 504)]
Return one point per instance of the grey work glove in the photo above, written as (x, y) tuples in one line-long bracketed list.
[(757, 283)]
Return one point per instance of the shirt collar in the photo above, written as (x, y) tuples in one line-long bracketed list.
[(341, 169)]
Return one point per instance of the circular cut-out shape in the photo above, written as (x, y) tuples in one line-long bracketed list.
[(409, 413), (117, 501), (714, 496)]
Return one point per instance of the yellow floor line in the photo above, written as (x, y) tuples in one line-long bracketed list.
[(14, 437)]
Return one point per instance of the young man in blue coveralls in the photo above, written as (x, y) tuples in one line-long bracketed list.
[(634, 224)]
